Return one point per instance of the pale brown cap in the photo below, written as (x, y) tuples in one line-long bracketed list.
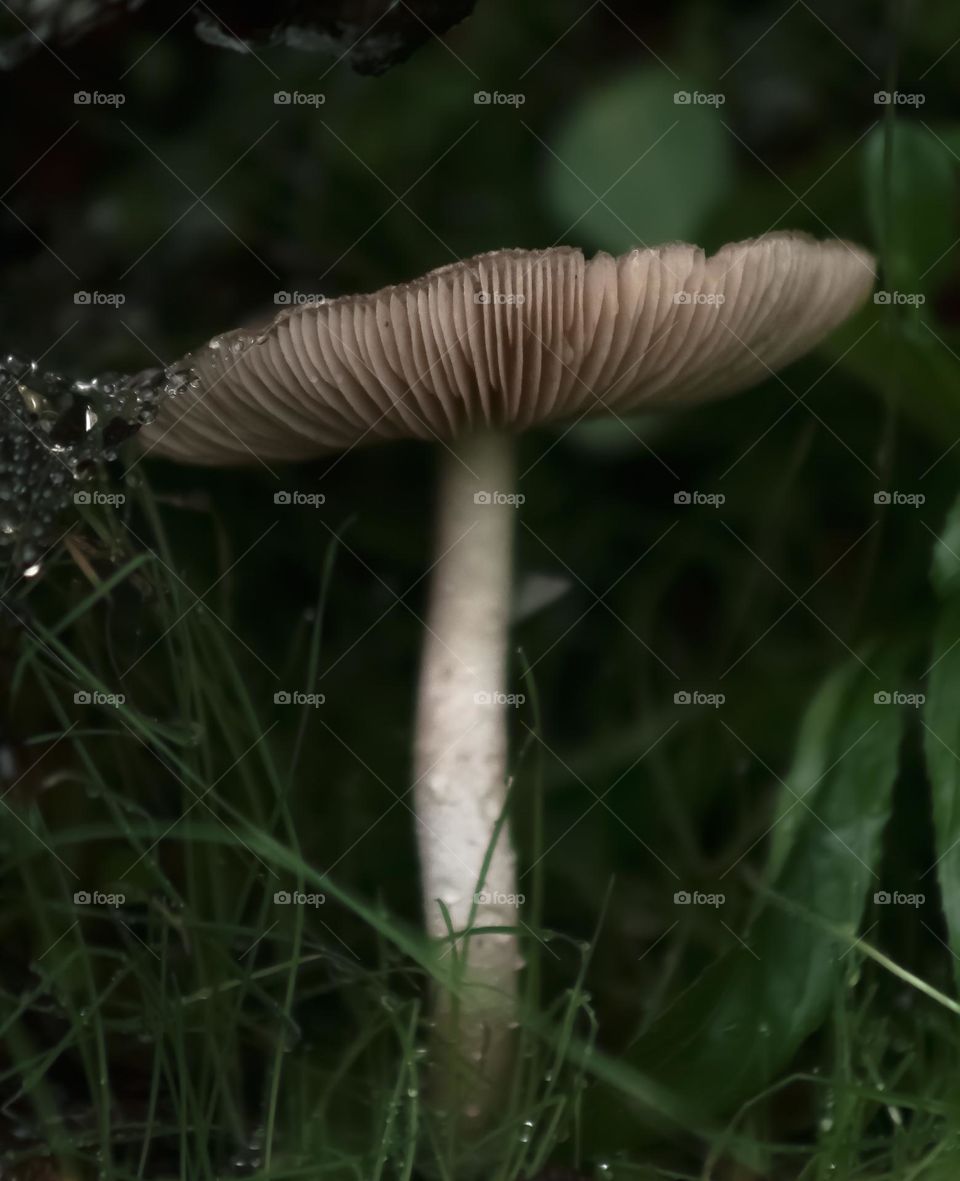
[(509, 340)]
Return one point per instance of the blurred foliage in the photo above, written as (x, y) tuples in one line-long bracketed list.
[(633, 204)]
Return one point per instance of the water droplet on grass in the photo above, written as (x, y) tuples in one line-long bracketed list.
[(59, 432)]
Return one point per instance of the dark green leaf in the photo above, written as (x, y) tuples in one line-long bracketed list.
[(942, 723), (914, 210), (748, 1013), (810, 761), (945, 567)]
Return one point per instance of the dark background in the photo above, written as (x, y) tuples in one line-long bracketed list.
[(200, 197)]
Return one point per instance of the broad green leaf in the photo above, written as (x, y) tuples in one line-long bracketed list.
[(807, 774), (747, 1014), (917, 368), (633, 167), (912, 204), (942, 724), (945, 567), (941, 741)]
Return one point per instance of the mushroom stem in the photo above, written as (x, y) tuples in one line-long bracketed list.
[(461, 765)]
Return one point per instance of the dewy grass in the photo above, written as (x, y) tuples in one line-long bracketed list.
[(167, 996), (199, 1030)]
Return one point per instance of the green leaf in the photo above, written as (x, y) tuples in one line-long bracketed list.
[(912, 207), (633, 167), (945, 567), (941, 722), (808, 773), (949, 134), (914, 365), (747, 1014)]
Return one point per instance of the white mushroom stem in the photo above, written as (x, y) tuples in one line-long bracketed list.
[(461, 756)]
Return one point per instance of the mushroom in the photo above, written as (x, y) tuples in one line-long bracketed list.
[(470, 355)]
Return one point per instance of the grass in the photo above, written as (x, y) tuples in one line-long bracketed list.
[(202, 1025), (198, 1029)]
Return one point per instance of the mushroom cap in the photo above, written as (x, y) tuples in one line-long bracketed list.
[(509, 340)]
